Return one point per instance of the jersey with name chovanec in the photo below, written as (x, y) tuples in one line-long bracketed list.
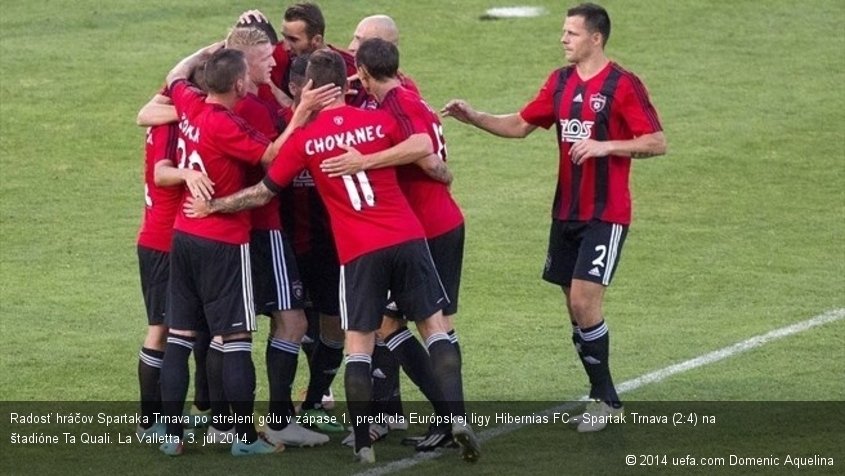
[(368, 211), (160, 203), (216, 141), (430, 199), (612, 105)]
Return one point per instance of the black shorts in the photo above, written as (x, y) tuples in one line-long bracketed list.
[(447, 251), (405, 270), (155, 273), (212, 278), (320, 271), (275, 276), (584, 250)]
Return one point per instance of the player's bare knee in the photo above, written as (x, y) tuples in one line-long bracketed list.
[(156, 337), (360, 342), (290, 325), (236, 335), (433, 325), (330, 328), (389, 325), (182, 332)]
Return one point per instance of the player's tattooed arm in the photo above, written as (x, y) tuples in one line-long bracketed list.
[(436, 168), (247, 198)]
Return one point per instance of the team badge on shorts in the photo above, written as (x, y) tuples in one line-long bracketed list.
[(298, 290), (597, 102)]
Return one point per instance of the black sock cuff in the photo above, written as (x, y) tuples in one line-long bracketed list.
[(397, 338), (156, 354), (151, 358), (180, 340), (242, 344), (595, 332)]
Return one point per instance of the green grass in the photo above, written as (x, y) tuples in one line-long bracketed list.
[(737, 231)]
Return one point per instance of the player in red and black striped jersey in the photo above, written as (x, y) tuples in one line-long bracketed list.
[(604, 118), (379, 242)]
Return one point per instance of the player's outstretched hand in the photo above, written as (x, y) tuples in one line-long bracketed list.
[(459, 109), (199, 184), (349, 163), (196, 208)]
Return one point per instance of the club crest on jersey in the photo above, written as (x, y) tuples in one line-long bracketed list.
[(338, 120), (597, 102)]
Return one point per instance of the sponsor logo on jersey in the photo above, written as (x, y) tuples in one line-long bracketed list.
[(597, 102), (578, 98), (574, 130)]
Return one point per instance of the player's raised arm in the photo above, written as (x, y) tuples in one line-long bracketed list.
[(503, 125), (183, 69), (158, 110)]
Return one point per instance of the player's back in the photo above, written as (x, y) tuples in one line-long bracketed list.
[(368, 210), (220, 144), (430, 199)]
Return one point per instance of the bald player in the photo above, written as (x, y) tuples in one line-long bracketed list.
[(375, 26)]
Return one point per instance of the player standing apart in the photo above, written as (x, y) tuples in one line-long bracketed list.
[(604, 118)]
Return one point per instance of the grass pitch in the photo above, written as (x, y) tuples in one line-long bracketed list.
[(737, 231)]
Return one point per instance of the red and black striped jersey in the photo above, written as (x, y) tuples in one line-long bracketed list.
[(431, 200), (612, 105)]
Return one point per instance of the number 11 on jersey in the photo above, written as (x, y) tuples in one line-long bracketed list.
[(366, 190)]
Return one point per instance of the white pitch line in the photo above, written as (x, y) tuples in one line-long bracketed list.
[(633, 384)]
